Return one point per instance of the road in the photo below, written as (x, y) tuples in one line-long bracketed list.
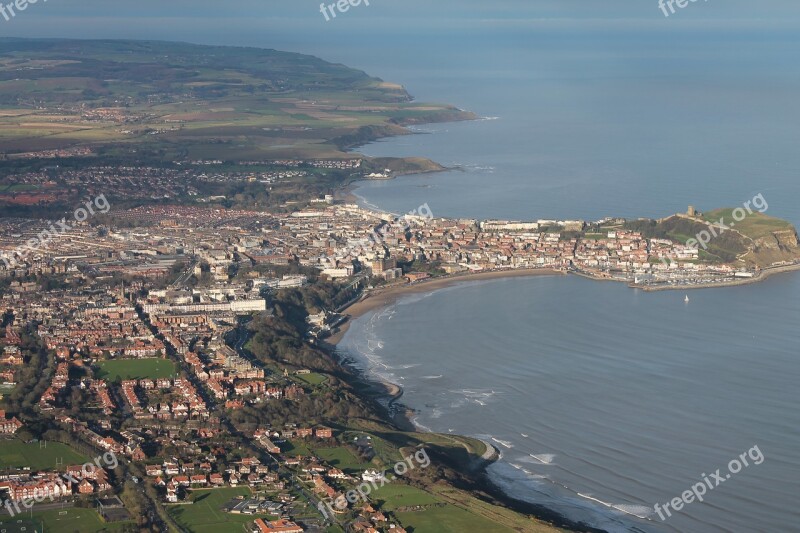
[(225, 421)]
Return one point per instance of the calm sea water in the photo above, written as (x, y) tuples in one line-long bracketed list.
[(604, 400), (609, 131), (594, 391)]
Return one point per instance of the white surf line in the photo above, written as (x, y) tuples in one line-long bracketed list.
[(611, 506), (504, 443)]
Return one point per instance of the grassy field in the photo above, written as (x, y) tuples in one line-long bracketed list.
[(499, 515), (205, 514), (60, 521), (17, 454), (450, 510), (312, 378), (443, 517), (341, 458), (448, 519), (301, 106), (136, 368), (753, 225), (296, 447), (397, 495)]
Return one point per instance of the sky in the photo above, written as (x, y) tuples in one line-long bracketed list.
[(298, 25), (367, 37)]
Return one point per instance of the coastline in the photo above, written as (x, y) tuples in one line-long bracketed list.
[(386, 296), (402, 416)]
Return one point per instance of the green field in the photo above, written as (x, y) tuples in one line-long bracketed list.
[(17, 454), (205, 515), (753, 225), (312, 378), (136, 369), (60, 521), (341, 458), (397, 495), (296, 94), (296, 448), (441, 518), (448, 519)]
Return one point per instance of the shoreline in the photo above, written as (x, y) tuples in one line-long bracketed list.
[(388, 394), (402, 416), (386, 296)]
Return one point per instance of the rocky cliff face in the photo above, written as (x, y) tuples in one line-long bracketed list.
[(776, 247)]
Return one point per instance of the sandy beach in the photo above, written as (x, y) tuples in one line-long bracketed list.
[(386, 296)]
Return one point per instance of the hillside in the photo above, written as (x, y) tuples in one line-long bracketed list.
[(757, 240), (176, 101)]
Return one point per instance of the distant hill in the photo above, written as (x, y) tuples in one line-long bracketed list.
[(102, 69)]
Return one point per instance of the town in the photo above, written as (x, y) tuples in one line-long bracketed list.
[(181, 338)]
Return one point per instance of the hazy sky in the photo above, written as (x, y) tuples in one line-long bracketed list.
[(366, 36), (300, 23)]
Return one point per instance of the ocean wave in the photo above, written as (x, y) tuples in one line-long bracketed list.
[(403, 367), (545, 458), (458, 403), (478, 168), (414, 298), (503, 442), (639, 511), (419, 425), (514, 480), (622, 507), (364, 202), (480, 397), (375, 345)]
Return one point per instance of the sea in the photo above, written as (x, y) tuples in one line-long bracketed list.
[(603, 400)]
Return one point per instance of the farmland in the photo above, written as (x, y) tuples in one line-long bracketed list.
[(179, 100)]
